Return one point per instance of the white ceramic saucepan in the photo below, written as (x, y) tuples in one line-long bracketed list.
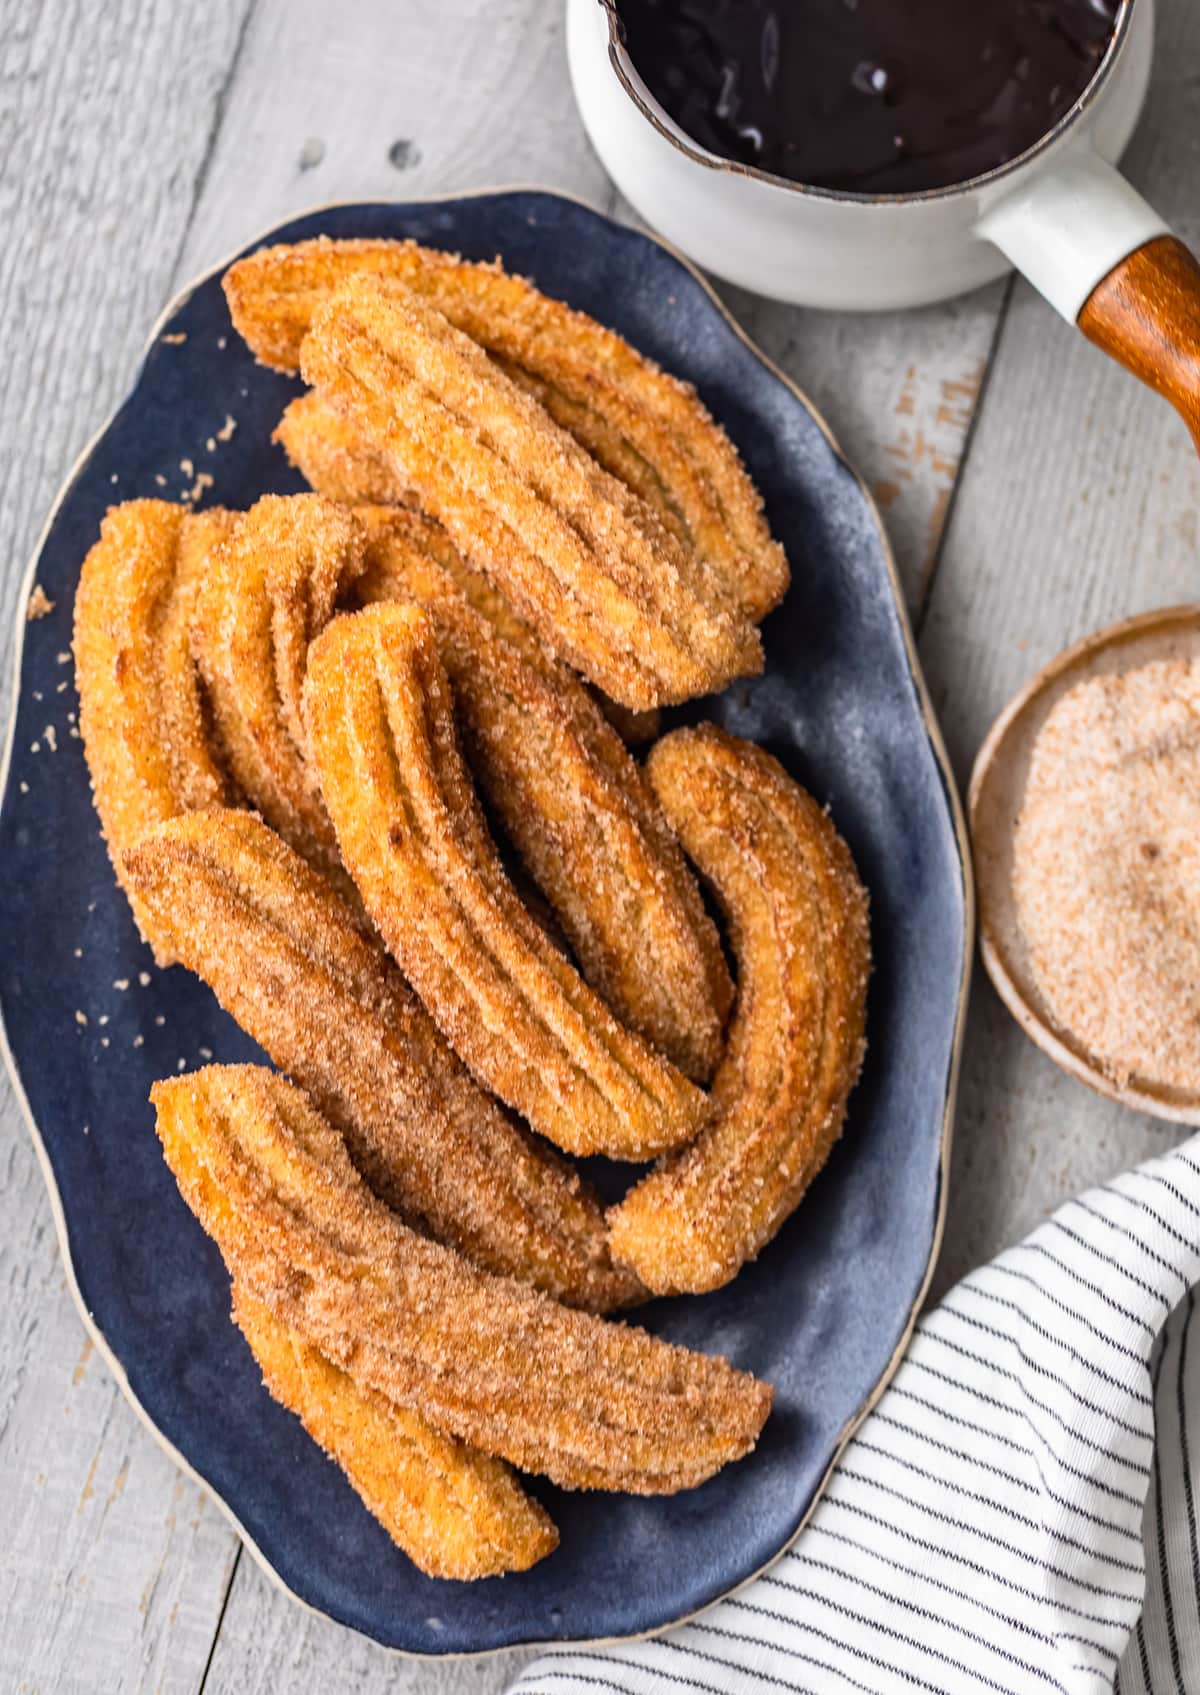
[(1060, 212)]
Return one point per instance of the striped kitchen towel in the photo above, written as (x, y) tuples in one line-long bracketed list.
[(1018, 1514)]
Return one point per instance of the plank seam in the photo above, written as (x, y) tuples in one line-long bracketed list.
[(212, 1647), (926, 587), (220, 107)]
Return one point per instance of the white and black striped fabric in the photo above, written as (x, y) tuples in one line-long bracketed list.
[(1019, 1513)]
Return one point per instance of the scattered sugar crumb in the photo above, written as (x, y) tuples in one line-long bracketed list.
[(86, 1129), (121, 983), (203, 481), (205, 1053), (62, 658), (103, 1018), (144, 979), (80, 1017), (74, 733), (104, 1041), (114, 478), (51, 735), (138, 1040), (35, 747), (160, 479), (159, 1019), (230, 424), (187, 467), (222, 343), (37, 694), (24, 787), (91, 906), (211, 445), (78, 952), (59, 687), (38, 604), (181, 1065), (176, 339)]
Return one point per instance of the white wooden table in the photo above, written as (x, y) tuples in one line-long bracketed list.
[(1033, 493)]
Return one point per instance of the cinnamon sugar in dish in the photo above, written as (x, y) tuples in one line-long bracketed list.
[(1106, 871)]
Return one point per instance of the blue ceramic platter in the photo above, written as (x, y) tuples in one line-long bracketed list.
[(824, 1312)]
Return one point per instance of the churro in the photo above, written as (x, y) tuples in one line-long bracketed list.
[(270, 589), (572, 801), (455, 1512), (641, 424), (333, 457), (798, 917), (141, 714), (580, 556), (381, 732)]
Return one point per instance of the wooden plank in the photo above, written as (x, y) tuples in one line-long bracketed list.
[(112, 1566), (1078, 507), (267, 1644), (396, 103), (899, 390)]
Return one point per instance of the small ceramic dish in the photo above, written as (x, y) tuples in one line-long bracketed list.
[(825, 1313), (994, 802)]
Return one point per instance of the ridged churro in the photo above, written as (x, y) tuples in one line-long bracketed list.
[(590, 1404), (141, 714), (381, 732), (575, 805), (580, 556), (455, 1512), (286, 958), (269, 590), (642, 425), (333, 457), (798, 917)]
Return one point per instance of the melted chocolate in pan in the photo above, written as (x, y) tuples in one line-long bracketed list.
[(868, 96)]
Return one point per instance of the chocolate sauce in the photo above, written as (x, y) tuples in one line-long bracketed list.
[(867, 96)]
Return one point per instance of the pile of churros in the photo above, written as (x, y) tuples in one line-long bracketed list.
[(364, 759)]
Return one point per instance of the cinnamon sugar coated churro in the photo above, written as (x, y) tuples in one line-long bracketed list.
[(798, 916), (285, 957), (608, 586), (140, 712), (456, 1513), (587, 1403), (644, 426), (333, 457), (269, 590), (411, 834), (575, 805)]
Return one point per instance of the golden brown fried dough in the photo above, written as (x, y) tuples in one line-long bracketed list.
[(590, 1404), (581, 557), (333, 457), (270, 589), (798, 915), (381, 731), (140, 708), (455, 1512), (574, 804), (286, 958), (642, 425)]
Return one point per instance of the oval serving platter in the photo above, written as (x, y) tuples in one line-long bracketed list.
[(90, 1023)]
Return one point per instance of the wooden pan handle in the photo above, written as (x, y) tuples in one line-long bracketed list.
[(1146, 314)]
